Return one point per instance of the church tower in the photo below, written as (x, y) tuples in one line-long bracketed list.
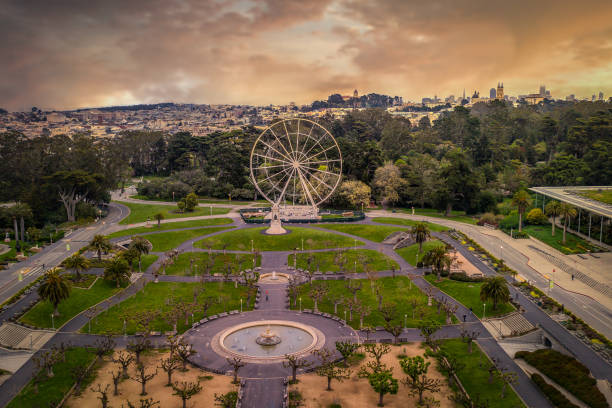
[(500, 91), (355, 99)]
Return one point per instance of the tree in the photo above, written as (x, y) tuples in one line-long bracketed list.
[(508, 378), (169, 365), (377, 350), (438, 259), (387, 181), (159, 217), (138, 346), (183, 351), (317, 293), (185, 390), (416, 371), (117, 377), (104, 346), (143, 377), (353, 287), (130, 255), (456, 181), (469, 337), (227, 400), (421, 233), (54, 288), (553, 210), (236, 364), (496, 290), (329, 368), (46, 360), (294, 362), (73, 187), (382, 381), (191, 201), (141, 246), (347, 348), (103, 397), (428, 329), (144, 403), (124, 359), (117, 270), (355, 193), (181, 206), (567, 211), (100, 243), (450, 364), (521, 200)]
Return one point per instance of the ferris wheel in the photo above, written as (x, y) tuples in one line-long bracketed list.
[(296, 162)]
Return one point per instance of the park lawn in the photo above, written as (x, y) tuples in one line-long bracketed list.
[(397, 291), (79, 300), (475, 379), (355, 260), (605, 196), (52, 390), (410, 223), (171, 226), (573, 243), (376, 233), (140, 212), (146, 261), (310, 238), (154, 296), (182, 264), (459, 216), (168, 240), (468, 294), (409, 253)]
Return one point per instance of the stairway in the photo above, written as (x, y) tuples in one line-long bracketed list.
[(16, 336)]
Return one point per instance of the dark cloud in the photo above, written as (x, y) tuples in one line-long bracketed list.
[(67, 54)]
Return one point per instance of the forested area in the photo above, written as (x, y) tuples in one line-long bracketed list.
[(469, 159)]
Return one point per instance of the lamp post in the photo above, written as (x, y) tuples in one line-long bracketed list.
[(300, 305), (501, 252), (52, 322), (405, 319), (355, 266), (302, 244), (355, 247), (484, 310), (252, 250), (211, 210), (345, 316), (240, 305)]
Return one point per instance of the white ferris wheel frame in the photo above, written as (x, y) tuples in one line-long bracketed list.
[(293, 166)]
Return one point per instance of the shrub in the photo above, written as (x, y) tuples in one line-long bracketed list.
[(568, 373), (510, 221), (520, 235), (536, 217), (488, 218), (554, 396), (462, 277)]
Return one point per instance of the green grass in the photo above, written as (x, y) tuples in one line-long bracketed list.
[(475, 378), (410, 223), (409, 253), (605, 196), (146, 261), (398, 291), (169, 240), (430, 212), (171, 226), (360, 257), (86, 280), (573, 243), (153, 297), (52, 390), (182, 265), (140, 212), (376, 233), (313, 239), (79, 300), (468, 294)]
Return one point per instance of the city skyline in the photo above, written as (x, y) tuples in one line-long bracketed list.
[(70, 55)]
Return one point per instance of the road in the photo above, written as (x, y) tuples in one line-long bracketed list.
[(55, 253)]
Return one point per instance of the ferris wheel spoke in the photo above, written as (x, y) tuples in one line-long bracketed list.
[(320, 161), (282, 194), (303, 180), (289, 160), (315, 143), (273, 175), (288, 156), (297, 138), (320, 152), (320, 171), (270, 167), (289, 138), (320, 181)]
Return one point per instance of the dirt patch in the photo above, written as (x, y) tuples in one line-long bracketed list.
[(156, 388), (357, 393)]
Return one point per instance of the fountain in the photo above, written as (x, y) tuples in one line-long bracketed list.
[(267, 338), (274, 277)]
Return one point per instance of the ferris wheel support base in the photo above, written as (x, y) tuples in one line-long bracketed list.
[(276, 227)]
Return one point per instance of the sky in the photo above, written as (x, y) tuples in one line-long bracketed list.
[(66, 54)]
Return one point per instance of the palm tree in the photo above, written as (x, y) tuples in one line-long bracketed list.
[(496, 290), (117, 270), (100, 244), (420, 232), (159, 217), (437, 258), (130, 256), (521, 200), (78, 263), (567, 211), (54, 288), (553, 209), (142, 246)]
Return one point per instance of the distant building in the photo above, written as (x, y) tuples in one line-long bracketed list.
[(355, 98), (542, 90), (601, 96), (570, 97), (493, 92), (499, 93)]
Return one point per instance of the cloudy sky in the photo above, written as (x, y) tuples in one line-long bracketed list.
[(74, 53)]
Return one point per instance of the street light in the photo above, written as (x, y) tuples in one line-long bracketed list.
[(302, 244), (252, 249), (501, 252), (345, 316), (300, 305), (52, 322), (355, 266), (405, 318), (484, 310), (240, 305), (355, 244)]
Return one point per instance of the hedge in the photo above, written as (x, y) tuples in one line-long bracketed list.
[(555, 397), (568, 373), (462, 277)]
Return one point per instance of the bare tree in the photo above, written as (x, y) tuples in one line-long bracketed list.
[(138, 346), (47, 360), (117, 376), (104, 345), (329, 369), (508, 378), (183, 351), (353, 287), (469, 337), (294, 362), (143, 377), (377, 350), (395, 330), (144, 403), (185, 390), (103, 397), (318, 293), (362, 310), (449, 309), (124, 359), (79, 372), (169, 365), (236, 364)]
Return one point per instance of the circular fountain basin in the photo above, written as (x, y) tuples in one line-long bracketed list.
[(244, 340)]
